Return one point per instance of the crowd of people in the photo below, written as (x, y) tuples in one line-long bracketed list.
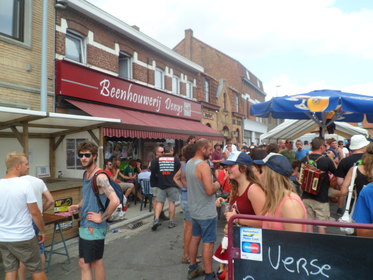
[(265, 180)]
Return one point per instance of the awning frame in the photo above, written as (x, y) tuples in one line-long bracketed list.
[(24, 124)]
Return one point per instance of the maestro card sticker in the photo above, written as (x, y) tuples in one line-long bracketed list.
[(251, 244)]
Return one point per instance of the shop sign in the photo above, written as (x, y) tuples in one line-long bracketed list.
[(81, 82)]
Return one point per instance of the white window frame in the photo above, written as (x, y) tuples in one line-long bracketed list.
[(26, 38), (159, 84), (206, 90), (189, 90), (72, 154), (82, 46), (236, 102), (125, 57), (175, 85)]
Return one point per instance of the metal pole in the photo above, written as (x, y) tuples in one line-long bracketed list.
[(44, 61)]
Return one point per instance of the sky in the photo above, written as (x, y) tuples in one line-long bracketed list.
[(292, 46)]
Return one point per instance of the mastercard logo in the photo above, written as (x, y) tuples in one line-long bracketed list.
[(251, 247), (318, 104)]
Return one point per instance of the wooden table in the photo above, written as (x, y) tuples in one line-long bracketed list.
[(56, 220)]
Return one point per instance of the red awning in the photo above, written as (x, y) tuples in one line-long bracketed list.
[(137, 124)]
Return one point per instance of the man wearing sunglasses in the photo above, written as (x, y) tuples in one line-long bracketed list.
[(93, 224)]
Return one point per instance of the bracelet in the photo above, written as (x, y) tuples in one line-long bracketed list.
[(42, 232)]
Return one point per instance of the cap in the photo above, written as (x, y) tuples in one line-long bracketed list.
[(238, 157), (245, 147), (277, 163), (358, 142)]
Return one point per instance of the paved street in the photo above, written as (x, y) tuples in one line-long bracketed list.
[(140, 253), (137, 254)]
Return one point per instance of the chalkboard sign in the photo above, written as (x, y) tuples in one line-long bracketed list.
[(298, 255)]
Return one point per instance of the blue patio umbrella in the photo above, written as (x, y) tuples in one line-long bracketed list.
[(322, 106)]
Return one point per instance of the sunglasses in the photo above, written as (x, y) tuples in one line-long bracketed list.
[(87, 155)]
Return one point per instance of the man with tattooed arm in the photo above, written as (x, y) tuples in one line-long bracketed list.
[(93, 224)]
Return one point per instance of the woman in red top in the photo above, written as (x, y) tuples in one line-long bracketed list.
[(247, 196)]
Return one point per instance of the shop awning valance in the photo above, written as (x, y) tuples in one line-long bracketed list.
[(138, 124)]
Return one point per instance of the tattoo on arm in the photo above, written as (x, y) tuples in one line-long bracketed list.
[(104, 183), (104, 215)]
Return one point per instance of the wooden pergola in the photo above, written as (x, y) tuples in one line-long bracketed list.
[(25, 124)]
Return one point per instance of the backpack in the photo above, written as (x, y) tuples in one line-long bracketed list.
[(115, 185), (311, 178)]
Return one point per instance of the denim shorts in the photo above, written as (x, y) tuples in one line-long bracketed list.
[(206, 229), (185, 207)]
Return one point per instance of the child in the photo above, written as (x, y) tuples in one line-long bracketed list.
[(221, 255)]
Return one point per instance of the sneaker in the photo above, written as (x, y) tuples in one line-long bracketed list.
[(196, 272), (156, 224), (163, 217), (340, 211), (171, 224)]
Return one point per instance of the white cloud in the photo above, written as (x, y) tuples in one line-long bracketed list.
[(252, 27), (248, 29), (284, 85)]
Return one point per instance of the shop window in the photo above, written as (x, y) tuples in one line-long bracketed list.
[(159, 78), (125, 66), (72, 160), (75, 47), (189, 90), (12, 18), (206, 90), (175, 85)]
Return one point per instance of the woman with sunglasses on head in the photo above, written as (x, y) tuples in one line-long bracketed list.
[(281, 198), (247, 195)]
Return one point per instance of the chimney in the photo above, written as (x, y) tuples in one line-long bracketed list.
[(188, 43), (188, 33), (136, 27)]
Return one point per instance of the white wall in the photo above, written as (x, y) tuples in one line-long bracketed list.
[(61, 154), (38, 153)]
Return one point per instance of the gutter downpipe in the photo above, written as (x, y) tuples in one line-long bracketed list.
[(44, 60)]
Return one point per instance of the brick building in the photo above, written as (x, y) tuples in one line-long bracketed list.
[(20, 54), (237, 89), (106, 68)]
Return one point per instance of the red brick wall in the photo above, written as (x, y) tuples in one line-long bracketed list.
[(100, 58), (218, 65)]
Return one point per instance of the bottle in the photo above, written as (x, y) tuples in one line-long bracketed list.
[(226, 206)]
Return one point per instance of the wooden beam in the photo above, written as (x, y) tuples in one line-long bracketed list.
[(25, 138), (52, 156), (59, 141), (94, 137), (19, 121), (76, 130), (101, 147), (16, 134), (51, 126)]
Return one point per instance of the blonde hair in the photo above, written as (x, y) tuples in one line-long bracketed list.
[(250, 176), (367, 160), (14, 158), (276, 186)]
